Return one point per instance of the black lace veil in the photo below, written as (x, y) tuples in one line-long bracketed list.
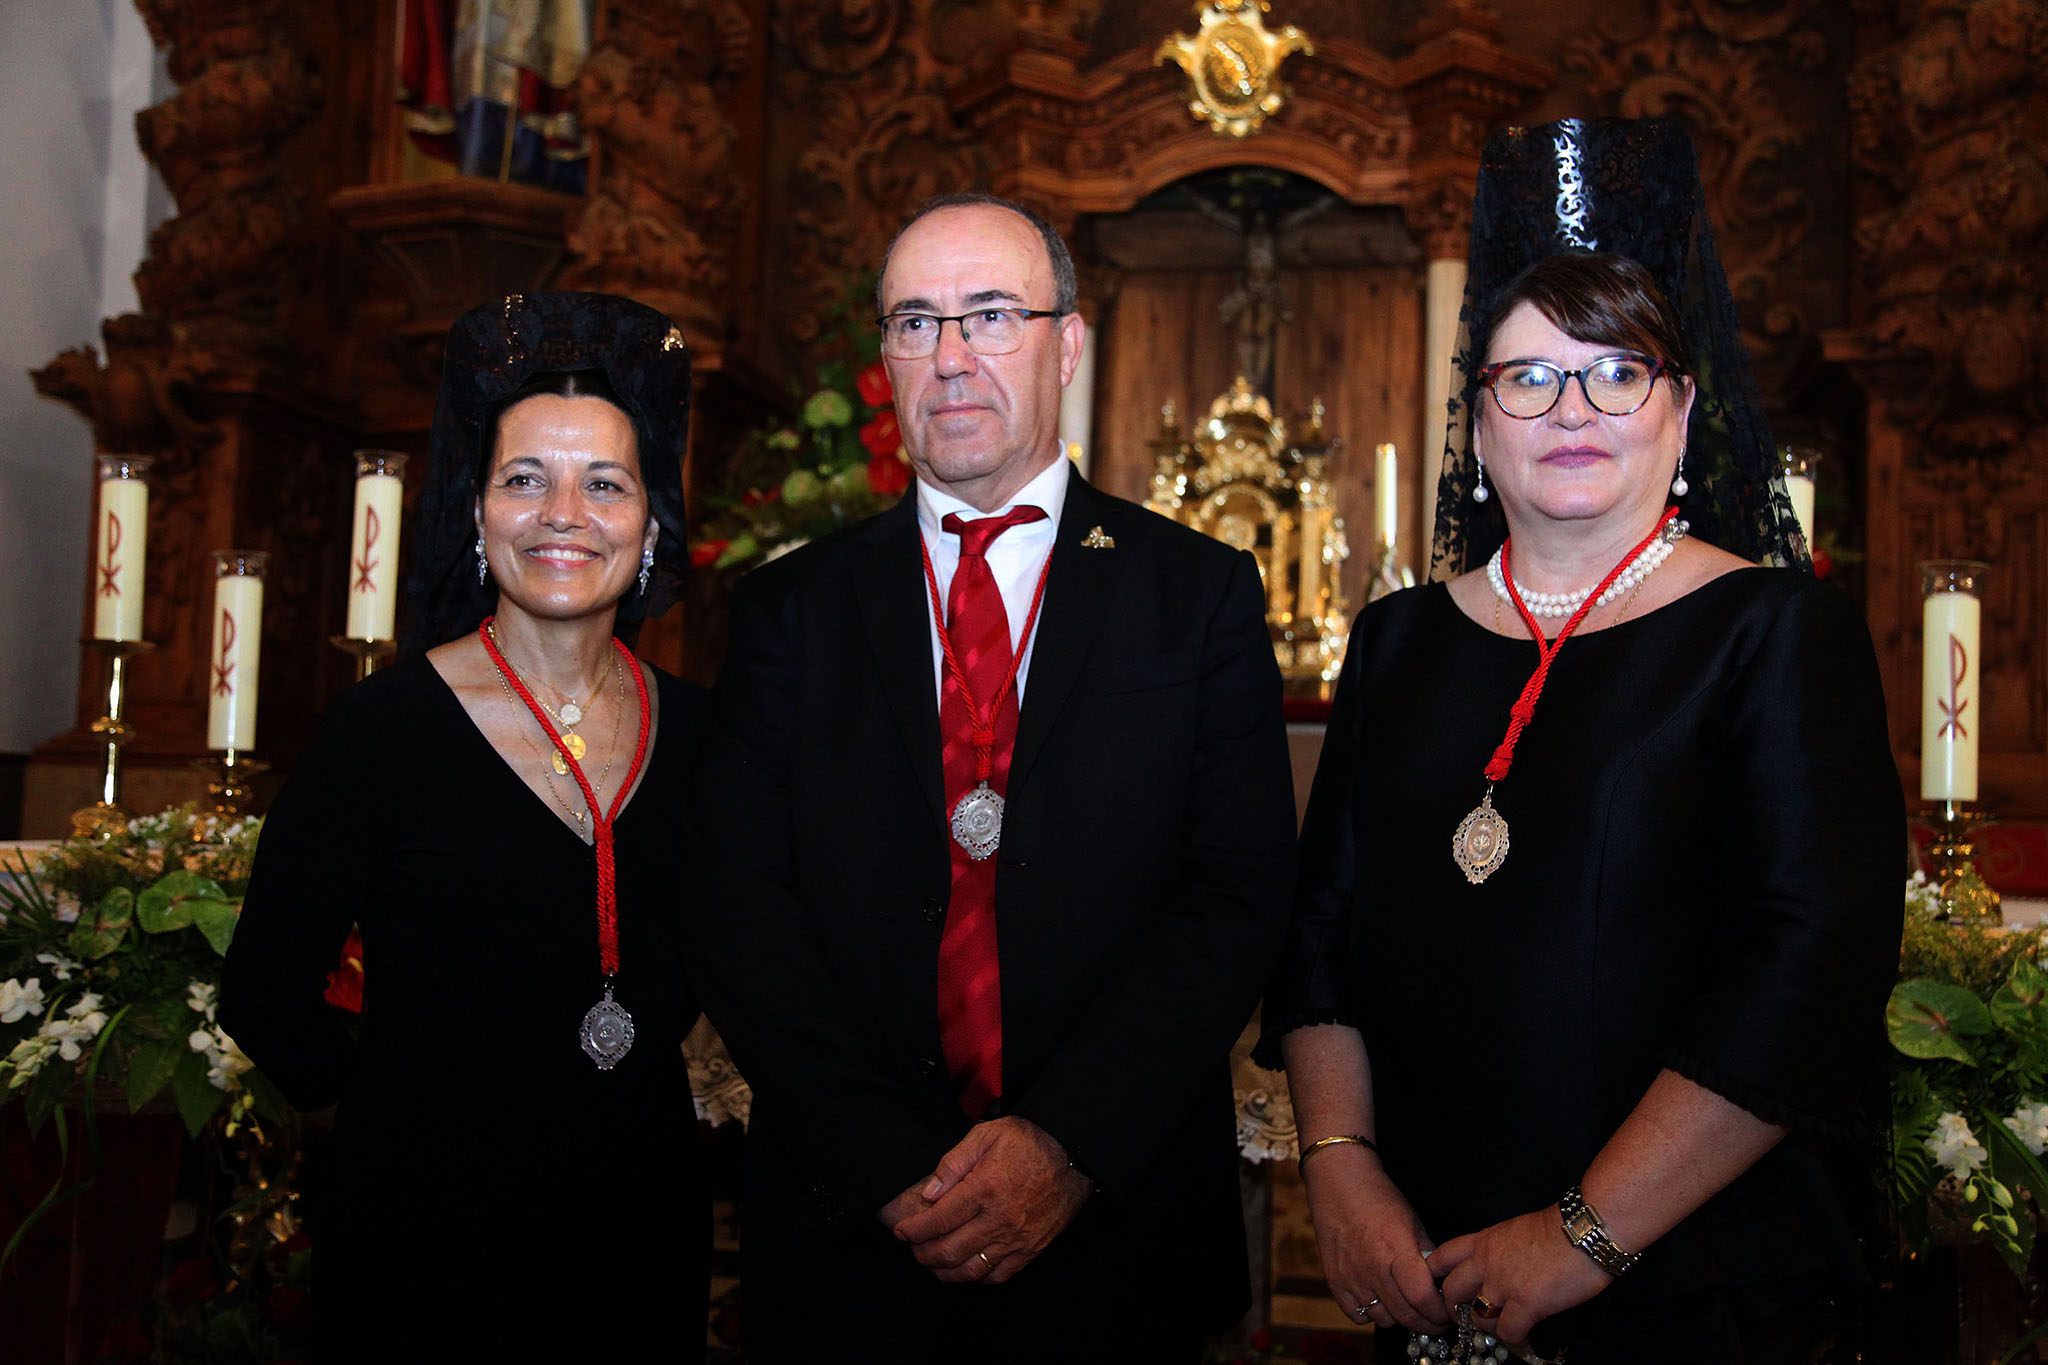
[(492, 351), (1629, 186)]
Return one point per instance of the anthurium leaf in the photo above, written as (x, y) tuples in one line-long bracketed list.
[(197, 1096), (167, 906), (2013, 1162), (2023, 999), (1924, 1019), (102, 926), (150, 1069), (216, 919)]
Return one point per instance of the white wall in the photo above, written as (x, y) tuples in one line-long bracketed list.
[(76, 202)]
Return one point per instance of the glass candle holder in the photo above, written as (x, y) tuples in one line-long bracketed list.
[(1798, 466), (373, 544), (120, 543)]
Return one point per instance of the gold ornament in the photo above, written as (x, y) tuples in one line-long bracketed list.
[(1233, 64)]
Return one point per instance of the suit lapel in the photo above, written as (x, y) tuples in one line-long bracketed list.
[(888, 583), (1078, 592)]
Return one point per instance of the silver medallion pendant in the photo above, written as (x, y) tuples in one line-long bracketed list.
[(607, 1031), (1481, 844), (978, 822)]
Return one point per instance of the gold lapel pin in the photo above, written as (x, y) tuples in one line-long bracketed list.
[(1096, 540)]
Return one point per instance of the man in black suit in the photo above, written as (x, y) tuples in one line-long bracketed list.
[(983, 961)]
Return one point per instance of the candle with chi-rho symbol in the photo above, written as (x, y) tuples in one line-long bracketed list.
[(231, 673), (1385, 493), (373, 544), (121, 535), (1951, 713), (1798, 466)]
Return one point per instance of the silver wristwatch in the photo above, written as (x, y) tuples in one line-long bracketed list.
[(1584, 1230)]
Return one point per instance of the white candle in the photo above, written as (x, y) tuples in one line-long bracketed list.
[(119, 542), (1951, 716), (1385, 500), (237, 644), (373, 544), (1799, 487)]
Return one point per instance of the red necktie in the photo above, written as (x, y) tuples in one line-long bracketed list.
[(970, 994)]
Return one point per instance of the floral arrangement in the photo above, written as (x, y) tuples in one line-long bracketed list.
[(839, 459), (110, 956), (1968, 1023)]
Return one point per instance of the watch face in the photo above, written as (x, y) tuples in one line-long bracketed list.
[(1581, 1225)]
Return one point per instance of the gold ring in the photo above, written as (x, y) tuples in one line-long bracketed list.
[(1484, 1307), (985, 1260)]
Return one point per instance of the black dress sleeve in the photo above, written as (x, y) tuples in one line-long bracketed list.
[(1788, 1022), (314, 864), (1311, 984)]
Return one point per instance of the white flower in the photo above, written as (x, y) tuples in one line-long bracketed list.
[(203, 998), (17, 999), (1923, 896), (66, 908), (2030, 1123), (201, 1040), (60, 966), (27, 1059), (784, 548), (1955, 1146), (228, 1063)]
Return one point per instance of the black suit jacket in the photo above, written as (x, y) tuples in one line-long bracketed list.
[(1141, 897)]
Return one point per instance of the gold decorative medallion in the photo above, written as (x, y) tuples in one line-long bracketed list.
[(1233, 64), (1096, 540), (1481, 844)]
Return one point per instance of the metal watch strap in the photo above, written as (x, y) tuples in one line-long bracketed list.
[(1584, 1230)]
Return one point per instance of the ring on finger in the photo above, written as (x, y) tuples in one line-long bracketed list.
[(982, 1256), (1484, 1307)]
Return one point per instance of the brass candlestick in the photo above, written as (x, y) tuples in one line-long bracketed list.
[(105, 816), (370, 655), (1965, 898), (1388, 575), (228, 775)]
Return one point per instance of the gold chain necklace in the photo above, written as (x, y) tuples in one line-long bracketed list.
[(571, 714), (579, 817)]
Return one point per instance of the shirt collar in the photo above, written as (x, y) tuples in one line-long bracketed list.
[(1046, 491)]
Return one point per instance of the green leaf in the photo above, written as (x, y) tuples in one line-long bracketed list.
[(198, 1098), (2022, 1002), (167, 906), (1923, 1019), (2012, 1162), (217, 920), (100, 929), (150, 1069)]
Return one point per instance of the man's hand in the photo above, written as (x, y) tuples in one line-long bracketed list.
[(996, 1201)]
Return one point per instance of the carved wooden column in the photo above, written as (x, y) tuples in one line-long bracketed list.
[(1951, 199), (1460, 83), (204, 378)]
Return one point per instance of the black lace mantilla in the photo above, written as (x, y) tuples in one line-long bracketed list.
[(1629, 186), (491, 352)]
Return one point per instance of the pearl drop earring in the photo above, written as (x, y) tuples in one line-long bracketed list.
[(1678, 484), (1479, 493)]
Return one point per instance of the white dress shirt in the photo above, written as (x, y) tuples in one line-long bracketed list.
[(1016, 557)]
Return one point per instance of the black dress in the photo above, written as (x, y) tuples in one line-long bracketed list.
[(1706, 852), (487, 1185)]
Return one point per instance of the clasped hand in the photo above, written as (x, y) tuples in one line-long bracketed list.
[(1523, 1268), (995, 1202)]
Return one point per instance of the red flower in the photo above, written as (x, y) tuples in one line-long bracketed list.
[(345, 982), (882, 436), (1823, 563), (705, 553), (873, 385), (191, 1283), (888, 476)]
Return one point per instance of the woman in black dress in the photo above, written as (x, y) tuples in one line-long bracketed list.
[(1591, 955), (514, 1160)]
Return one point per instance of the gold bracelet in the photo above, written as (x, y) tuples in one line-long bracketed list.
[(1355, 1139)]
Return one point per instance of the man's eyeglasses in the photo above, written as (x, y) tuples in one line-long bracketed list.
[(987, 331), (1614, 384)]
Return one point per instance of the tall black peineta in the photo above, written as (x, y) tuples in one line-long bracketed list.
[(492, 352), (1632, 187)]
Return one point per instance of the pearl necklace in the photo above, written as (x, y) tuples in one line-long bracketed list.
[(1562, 604)]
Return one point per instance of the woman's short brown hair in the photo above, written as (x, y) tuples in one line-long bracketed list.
[(1602, 299)]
